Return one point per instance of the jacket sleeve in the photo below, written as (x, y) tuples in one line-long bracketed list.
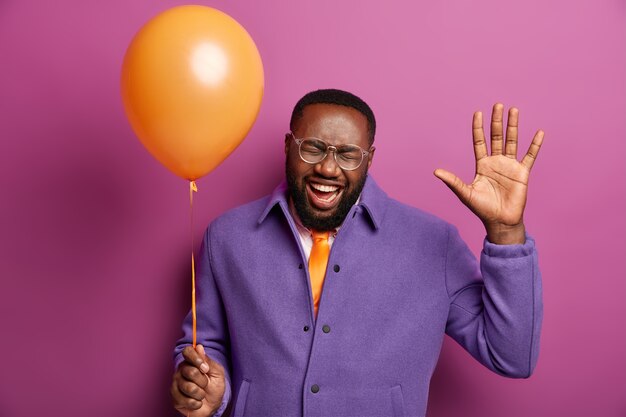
[(212, 331), (496, 309)]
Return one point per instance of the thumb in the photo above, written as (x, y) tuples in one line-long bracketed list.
[(215, 368), (453, 182), (200, 349)]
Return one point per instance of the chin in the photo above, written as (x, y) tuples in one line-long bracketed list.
[(323, 220), (317, 219)]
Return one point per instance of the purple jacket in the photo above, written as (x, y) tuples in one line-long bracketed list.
[(397, 280)]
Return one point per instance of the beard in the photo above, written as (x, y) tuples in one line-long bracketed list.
[(307, 215)]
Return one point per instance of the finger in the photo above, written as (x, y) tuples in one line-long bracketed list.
[(511, 133), (193, 374), (193, 358), (457, 186), (496, 129), (478, 135), (181, 401), (533, 150), (191, 390)]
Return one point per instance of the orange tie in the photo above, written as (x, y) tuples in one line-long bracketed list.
[(317, 264)]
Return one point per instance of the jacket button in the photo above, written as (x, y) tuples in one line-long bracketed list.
[(326, 328), (300, 266), (336, 268), (306, 328), (315, 388)]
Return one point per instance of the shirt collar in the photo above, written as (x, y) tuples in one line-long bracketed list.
[(375, 201), (372, 199)]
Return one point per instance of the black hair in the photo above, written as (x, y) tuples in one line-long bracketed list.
[(339, 97)]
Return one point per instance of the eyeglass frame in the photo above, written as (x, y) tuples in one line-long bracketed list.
[(332, 148)]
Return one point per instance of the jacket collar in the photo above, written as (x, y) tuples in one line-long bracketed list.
[(373, 199)]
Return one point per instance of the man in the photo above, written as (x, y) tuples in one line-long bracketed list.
[(328, 298)]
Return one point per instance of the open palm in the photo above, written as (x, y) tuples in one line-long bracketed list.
[(497, 195)]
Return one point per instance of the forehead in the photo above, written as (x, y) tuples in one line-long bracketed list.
[(333, 123)]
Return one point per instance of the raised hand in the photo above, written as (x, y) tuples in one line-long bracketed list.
[(498, 193), (198, 385)]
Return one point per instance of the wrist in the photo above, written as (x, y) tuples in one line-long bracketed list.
[(504, 234)]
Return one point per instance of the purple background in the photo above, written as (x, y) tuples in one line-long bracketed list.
[(95, 233)]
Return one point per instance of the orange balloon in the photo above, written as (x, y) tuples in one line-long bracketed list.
[(192, 84)]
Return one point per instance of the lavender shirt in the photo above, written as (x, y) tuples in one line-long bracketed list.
[(397, 280)]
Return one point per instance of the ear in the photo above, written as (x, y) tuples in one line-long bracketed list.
[(370, 157), (287, 139)]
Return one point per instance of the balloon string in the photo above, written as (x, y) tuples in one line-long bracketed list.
[(192, 188)]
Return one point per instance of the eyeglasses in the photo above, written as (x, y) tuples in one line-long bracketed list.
[(314, 151)]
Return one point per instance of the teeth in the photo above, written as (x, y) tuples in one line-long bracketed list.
[(329, 199), (324, 188)]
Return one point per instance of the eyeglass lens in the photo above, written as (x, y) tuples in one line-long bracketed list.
[(348, 157)]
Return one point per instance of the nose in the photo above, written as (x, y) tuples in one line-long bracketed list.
[(328, 166)]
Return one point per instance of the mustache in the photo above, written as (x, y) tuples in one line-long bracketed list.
[(322, 179)]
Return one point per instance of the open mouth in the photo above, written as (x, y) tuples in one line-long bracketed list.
[(322, 196)]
